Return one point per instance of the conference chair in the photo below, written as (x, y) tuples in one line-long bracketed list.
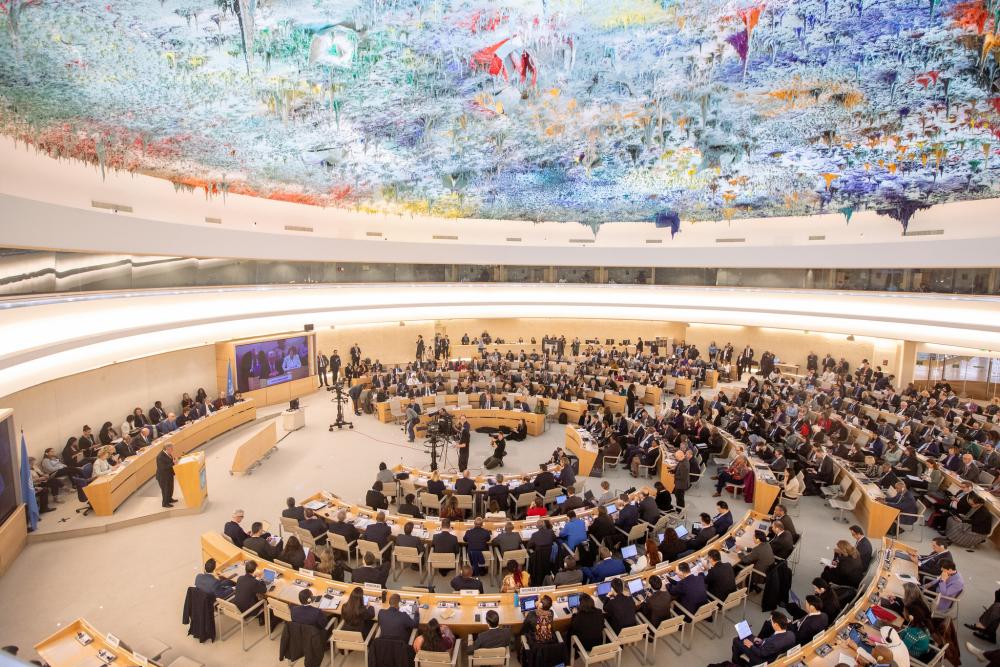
[(917, 526), (933, 599), (737, 598), (463, 400), (552, 410), (839, 491), (697, 618), (439, 400), (340, 543), (396, 410), (489, 562), (288, 524), (743, 578), (652, 469), (936, 659), (519, 555), (276, 609), (182, 661), (278, 561), (440, 561), (350, 641), (406, 556), (636, 533), (845, 506), (438, 658), (610, 651), (632, 638), (549, 499), (227, 609), (664, 631), (488, 657), (522, 502), (429, 503), (366, 547)]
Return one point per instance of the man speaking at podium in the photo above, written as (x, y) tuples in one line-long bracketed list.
[(165, 474)]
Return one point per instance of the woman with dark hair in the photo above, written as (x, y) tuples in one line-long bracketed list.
[(356, 615), (200, 395), (917, 631), (672, 546), (538, 623), (108, 434), (520, 434), (587, 624), (293, 553), (664, 501), (435, 637), (514, 579), (846, 569)]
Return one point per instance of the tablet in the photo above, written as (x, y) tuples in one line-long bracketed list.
[(743, 630), (628, 551), (573, 600), (681, 531), (560, 500)]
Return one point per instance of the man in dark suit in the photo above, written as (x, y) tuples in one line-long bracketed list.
[(306, 614), (249, 588), (781, 544), (544, 480), (628, 514), (408, 539), (464, 440), (465, 485), (293, 511), (690, 592), (813, 622), (931, 563), (341, 527), (658, 607), (409, 508), (394, 624), (722, 521), (760, 651), (378, 532), (720, 580), (334, 366), (781, 514), (500, 492), (444, 542), (315, 525), (863, 545), (260, 543), (372, 572), (705, 535), (165, 474), (649, 511), (508, 540), (494, 636), (619, 610), (465, 581), (234, 530)]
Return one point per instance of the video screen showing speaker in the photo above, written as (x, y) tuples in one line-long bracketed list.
[(270, 362), (9, 479)]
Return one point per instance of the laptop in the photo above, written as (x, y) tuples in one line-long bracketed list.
[(560, 500), (612, 509), (743, 630), (269, 576), (603, 588), (629, 551), (873, 620), (636, 587), (528, 603), (730, 544), (681, 531)]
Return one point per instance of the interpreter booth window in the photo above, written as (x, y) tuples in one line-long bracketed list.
[(779, 278), (933, 280), (974, 376), (886, 280), (525, 274), (852, 279), (421, 273), (575, 274), (971, 281), (286, 273), (365, 273), (469, 273), (213, 272), (685, 276), (628, 276)]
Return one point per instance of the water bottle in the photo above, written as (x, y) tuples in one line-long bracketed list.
[(517, 600)]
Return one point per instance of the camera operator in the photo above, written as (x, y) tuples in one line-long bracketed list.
[(464, 436)]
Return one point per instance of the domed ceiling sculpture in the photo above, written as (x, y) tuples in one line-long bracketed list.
[(573, 110)]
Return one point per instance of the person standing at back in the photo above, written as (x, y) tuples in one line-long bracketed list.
[(165, 474)]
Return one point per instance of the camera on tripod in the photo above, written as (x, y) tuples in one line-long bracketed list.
[(442, 425)]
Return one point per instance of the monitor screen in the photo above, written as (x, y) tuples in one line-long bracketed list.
[(636, 586), (528, 603), (872, 618), (681, 530), (269, 575), (730, 542), (628, 551), (612, 508), (603, 588), (560, 500), (270, 362)]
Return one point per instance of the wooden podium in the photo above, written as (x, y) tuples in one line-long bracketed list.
[(189, 472)]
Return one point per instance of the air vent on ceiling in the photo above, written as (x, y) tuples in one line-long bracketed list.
[(654, 240), (581, 240), (444, 237), (514, 239), (821, 237), (378, 234), (214, 221), (730, 240), (117, 208), (297, 228), (924, 232)]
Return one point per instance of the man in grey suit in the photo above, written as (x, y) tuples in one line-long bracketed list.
[(508, 540), (760, 557)]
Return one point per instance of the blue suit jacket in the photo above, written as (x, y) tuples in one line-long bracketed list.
[(574, 533), (723, 523), (690, 592), (604, 569)]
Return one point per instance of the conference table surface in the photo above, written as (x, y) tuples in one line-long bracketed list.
[(63, 648), (419, 477), (107, 492), (458, 611)]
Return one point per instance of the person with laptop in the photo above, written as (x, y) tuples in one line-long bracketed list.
[(760, 556), (493, 636), (607, 566), (208, 582), (394, 624), (569, 575), (306, 614), (700, 539), (690, 591), (720, 580), (757, 650), (620, 609), (262, 544), (931, 563), (723, 520), (658, 605), (250, 587), (587, 623)]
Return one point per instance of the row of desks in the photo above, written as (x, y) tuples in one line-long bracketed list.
[(107, 492), (457, 611)]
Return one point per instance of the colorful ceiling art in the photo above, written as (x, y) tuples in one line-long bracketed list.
[(568, 110)]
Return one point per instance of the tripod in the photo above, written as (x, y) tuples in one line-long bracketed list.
[(340, 399), (434, 441)]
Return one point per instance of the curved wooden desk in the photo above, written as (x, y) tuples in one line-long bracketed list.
[(420, 477), (63, 649), (108, 492), (455, 610), (495, 418)]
